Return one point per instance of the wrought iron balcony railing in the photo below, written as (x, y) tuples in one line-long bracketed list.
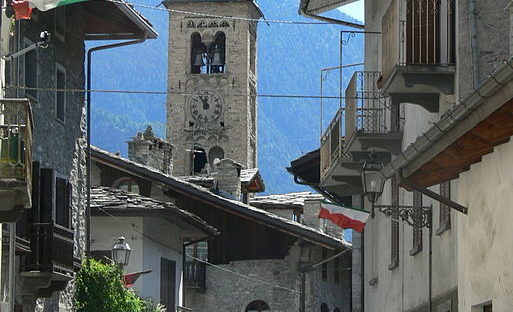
[(418, 32), (52, 249), (195, 274), (367, 110)]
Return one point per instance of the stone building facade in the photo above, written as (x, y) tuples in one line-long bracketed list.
[(52, 233), (212, 105)]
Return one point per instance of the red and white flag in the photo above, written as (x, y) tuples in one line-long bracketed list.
[(345, 217)]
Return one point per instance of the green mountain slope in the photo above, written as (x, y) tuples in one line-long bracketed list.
[(289, 61)]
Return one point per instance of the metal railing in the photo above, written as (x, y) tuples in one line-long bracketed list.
[(195, 274), (367, 110), (332, 144), (52, 249), (418, 32), (16, 140)]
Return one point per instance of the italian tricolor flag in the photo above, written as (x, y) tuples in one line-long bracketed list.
[(23, 8), (343, 216)]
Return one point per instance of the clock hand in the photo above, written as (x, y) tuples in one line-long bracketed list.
[(205, 102)]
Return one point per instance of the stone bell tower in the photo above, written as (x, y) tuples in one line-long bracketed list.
[(212, 107)]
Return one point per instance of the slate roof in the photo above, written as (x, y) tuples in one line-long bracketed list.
[(247, 176), (200, 193), (290, 200), (118, 202)]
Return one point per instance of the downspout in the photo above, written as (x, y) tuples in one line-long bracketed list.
[(12, 259), (88, 150), (430, 302), (303, 12), (472, 13)]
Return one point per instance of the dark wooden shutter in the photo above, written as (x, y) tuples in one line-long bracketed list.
[(445, 211), (168, 283), (417, 232), (47, 190), (394, 225), (36, 193)]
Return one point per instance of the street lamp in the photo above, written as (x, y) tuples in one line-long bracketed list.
[(121, 252), (372, 181)]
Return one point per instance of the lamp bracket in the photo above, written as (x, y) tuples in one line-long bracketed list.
[(418, 217)]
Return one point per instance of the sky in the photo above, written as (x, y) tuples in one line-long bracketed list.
[(355, 10)]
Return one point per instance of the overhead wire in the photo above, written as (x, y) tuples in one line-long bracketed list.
[(149, 92), (207, 15)]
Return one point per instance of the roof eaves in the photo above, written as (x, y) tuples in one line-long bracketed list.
[(201, 194)]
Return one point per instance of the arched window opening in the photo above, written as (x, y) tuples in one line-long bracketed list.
[(257, 306), (199, 160), (215, 152), (198, 55), (324, 308), (127, 184), (217, 54), (336, 310)]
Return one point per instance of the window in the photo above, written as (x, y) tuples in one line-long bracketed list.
[(257, 306), (324, 265), (215, 152), (325, 308), (394, 227), (62, 204), (445, 211), (198, 55), (30, 71), (60, 93), (198, 251), (199, 160), (127, 184), (217, 54), (487, 308), (168, 283), (337, 272), (417, 231)]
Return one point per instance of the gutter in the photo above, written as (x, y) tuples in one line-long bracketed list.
[(449, 120), (303, 12)]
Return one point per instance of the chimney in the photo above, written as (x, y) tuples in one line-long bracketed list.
[(311, 210), (151, 151), (227, 178)]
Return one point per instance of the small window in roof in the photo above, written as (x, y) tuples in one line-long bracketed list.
[(127, 184)]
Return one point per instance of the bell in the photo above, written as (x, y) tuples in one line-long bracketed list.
[(217, 57), (198, 59)]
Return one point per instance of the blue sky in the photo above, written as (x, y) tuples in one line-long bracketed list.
[(355, 10)]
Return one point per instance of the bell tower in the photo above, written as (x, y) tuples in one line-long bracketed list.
[(212, 83)]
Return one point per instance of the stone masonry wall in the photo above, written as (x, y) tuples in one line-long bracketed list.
[(227, 290), (235, 129), (149, 150), (59, 145)]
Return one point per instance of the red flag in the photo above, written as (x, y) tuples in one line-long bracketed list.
[(129, 279), (22, 9)]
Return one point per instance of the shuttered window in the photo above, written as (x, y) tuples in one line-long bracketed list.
[(417, 231), (168, 283), (55, 203), (324, 265), (394, 226), (445, 211)]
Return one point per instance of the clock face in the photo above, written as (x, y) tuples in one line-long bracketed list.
[(206, 106)]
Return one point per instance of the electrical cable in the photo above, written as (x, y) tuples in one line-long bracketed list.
[(294, 96), (206, 15)]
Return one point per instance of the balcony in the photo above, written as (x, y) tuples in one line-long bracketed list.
[(195, 275), (15, 158), (339, 172), (50, 264), (418, 56), (372, 123)]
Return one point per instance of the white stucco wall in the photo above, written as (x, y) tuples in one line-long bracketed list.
[(406, 287), (486, 234), (161, 239)]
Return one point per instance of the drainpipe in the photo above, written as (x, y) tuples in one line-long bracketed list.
[(430, 301), (12, 254), (88, 151), (303, 12), (472, 13)]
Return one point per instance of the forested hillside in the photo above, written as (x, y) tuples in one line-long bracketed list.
[(290, 57)]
